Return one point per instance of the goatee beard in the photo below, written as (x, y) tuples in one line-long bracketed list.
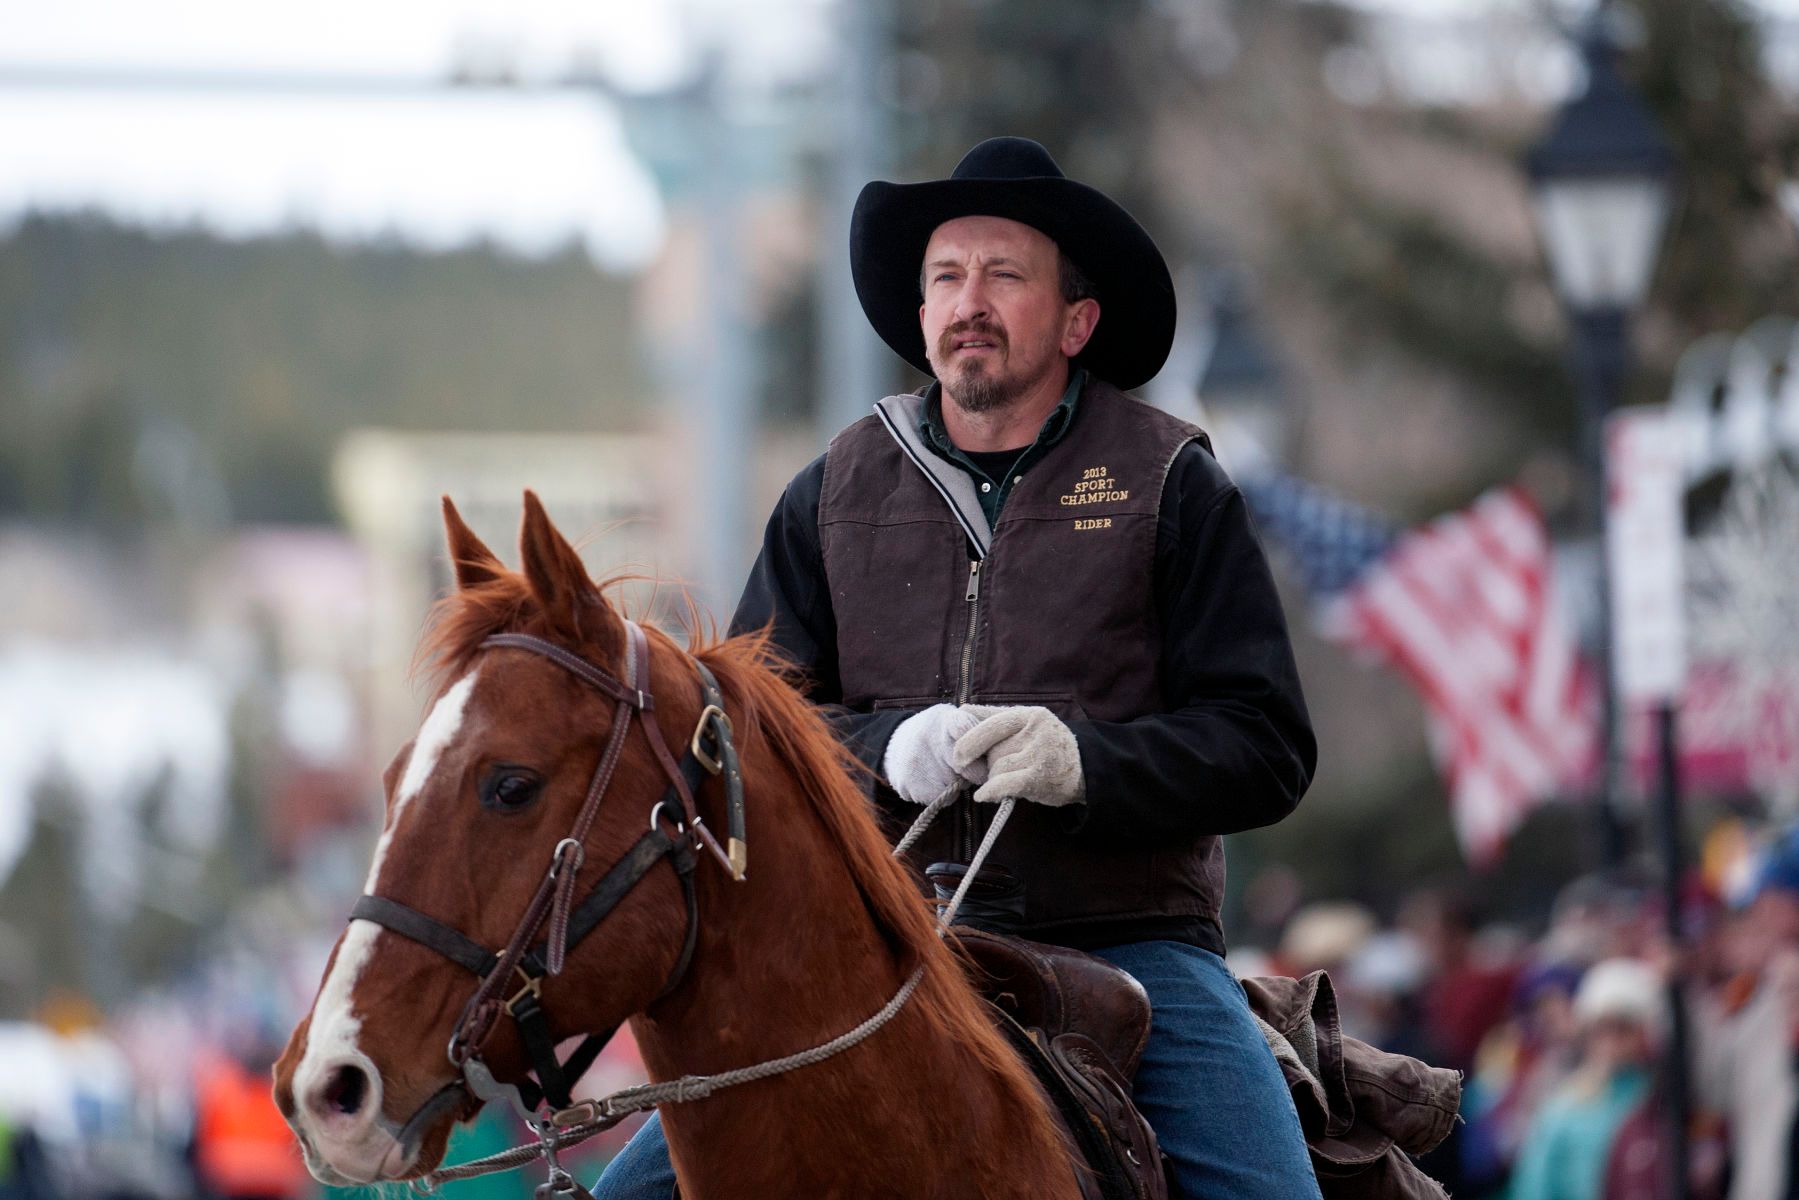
[(978, 389)]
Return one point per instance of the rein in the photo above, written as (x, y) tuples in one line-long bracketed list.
[(574, 1126), (710, 750)]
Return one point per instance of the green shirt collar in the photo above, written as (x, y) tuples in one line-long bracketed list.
[(936, 435), (993, 491)]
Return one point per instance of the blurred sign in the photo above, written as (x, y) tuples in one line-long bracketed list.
[(1644, 531), (604, 491)]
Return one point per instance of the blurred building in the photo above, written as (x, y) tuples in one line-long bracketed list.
[(628, 501)]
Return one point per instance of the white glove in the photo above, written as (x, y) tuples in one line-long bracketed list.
[(1025, 751), (917, 762)]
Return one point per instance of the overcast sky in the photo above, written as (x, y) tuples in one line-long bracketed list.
[(530, 171)]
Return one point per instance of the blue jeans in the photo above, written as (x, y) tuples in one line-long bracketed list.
[(1208, 1085)]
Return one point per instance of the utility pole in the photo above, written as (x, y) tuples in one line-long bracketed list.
[(853, 365), (721, 428)]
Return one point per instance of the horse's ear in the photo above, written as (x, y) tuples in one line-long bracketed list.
[(559, 580), (475, 564)]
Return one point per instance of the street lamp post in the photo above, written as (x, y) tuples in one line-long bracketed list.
[(1240, 383), (1601, 180)]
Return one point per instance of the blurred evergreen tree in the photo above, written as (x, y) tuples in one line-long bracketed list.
[(42, 903), (249, 359), (1401, 273), (1080, 78), (1729, 256)]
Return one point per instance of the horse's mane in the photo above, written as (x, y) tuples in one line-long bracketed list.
[(755, 678), (467, 616), (759, 686)]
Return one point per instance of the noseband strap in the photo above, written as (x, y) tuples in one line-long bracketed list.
[(527, 959), (426, 931)]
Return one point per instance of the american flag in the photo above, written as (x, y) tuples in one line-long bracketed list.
[(1462, 608)]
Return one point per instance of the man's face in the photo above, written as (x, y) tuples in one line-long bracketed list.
[(995, 324)]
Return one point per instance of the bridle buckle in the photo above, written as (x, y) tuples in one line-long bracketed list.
[(533, 988), (709, 714)]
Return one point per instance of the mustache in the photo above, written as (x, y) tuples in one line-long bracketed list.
[(946, 341)]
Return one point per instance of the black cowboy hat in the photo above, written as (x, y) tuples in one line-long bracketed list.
[(1016, 178)]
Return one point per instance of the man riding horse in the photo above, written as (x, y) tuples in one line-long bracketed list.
[(1021, 582)]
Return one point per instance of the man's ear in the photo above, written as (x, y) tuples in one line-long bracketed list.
[(1077, 330)]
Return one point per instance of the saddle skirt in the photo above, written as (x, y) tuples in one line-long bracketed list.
[(1081, 1024)]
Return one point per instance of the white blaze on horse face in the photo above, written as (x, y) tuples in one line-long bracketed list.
[(434, 737), (332, 1038)]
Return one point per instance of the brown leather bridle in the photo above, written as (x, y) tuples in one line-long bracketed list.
[(710, 751), (528, 959)]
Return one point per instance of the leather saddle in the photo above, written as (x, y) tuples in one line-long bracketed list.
[(1081, 1024)]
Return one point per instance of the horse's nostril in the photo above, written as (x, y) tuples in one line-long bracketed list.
[(345, 1090)]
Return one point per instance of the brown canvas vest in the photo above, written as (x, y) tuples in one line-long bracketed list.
[(1053, 607)]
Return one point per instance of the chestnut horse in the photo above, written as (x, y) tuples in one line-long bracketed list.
[(820, 933)]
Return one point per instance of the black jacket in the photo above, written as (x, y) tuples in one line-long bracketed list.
[(1234, 730)]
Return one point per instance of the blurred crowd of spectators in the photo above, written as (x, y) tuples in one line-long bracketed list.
[(1562, 1038), (170, 1097), (100, 1131)]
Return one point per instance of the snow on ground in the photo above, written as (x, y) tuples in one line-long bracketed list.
[(111, 723)]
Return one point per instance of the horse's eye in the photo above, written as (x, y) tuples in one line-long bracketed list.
[(507, 788)]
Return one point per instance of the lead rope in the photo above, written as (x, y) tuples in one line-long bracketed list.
[(579, 1122)]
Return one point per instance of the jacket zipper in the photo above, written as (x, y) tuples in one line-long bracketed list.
[(965, 831)]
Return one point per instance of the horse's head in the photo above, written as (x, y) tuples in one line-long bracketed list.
[(477, 803)]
